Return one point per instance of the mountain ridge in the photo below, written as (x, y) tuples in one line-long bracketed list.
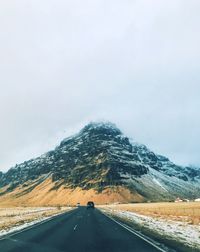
[(98, 158)]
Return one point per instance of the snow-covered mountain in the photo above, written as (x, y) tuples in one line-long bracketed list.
[(101, 157)]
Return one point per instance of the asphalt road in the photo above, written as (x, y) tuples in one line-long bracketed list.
[(81, 230)]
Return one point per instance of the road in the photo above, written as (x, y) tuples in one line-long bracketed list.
[(81, 230)]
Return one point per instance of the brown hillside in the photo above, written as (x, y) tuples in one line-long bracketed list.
[(45, 194)]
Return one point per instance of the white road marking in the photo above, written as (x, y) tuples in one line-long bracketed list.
[(34, 225), (14, 240), (75, 227), (135, 233)]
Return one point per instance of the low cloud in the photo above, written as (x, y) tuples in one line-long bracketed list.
[(65, 63)]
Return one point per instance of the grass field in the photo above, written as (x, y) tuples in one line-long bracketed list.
[(181, 211), (176, 225), (16, 216)]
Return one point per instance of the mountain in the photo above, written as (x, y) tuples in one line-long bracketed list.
[(99, 163)]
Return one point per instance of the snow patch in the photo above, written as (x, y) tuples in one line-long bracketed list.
[(158, 183), (17, 228), (174, 230)]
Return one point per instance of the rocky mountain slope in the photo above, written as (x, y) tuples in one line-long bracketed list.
[(101, 160)]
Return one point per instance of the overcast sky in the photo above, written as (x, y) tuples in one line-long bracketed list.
[(64, 63)]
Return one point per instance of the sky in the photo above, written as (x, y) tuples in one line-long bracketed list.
[(64, 63)]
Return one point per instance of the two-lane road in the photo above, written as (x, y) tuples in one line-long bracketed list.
[(80, 230)]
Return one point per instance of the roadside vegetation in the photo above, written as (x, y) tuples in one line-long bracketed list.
[(188, 212), (17, 217), (176, 225)]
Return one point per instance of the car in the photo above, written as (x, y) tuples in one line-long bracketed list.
[(90, 204)]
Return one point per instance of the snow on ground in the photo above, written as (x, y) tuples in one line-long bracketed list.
[(173, 230), (158, 183), (20, 227), (16, 218)]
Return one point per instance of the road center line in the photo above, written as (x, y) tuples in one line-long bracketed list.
[(6, 236), (75, 227)]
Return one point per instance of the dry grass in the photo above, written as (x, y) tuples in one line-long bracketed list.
[(183, 211), (10, 217), (44, 195)]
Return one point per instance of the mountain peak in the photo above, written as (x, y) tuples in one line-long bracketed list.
[(102, 127), (101, 157)]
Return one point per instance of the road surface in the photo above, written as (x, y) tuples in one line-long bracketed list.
[(81, 230)]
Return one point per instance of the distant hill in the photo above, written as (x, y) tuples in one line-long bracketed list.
[(98, 163)]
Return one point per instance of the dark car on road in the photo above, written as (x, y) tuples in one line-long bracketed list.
[(90, 204)]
